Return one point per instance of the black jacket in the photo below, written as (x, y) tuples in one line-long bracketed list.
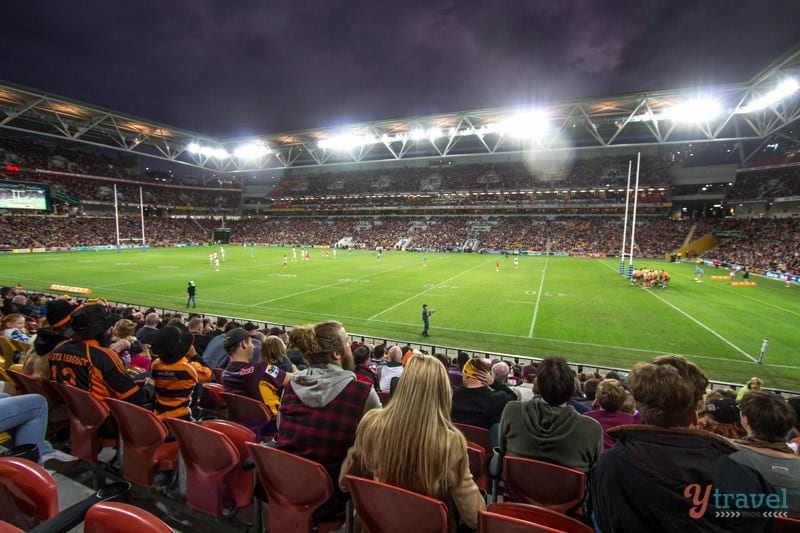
[(641, 483)]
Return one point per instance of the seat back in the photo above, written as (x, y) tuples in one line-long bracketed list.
[(478, 465), (389, 509), (31, 385), (253, 414), (217, 372), (385, 397), (296, 487), (28, 493), (144, 448), (241, 481), (114, 517), (544, 484), (497, 523), (211, 399), (539, 515), (478, 435), (87, 416), (210, 458)]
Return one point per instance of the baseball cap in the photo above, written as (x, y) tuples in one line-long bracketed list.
[(234, 337)]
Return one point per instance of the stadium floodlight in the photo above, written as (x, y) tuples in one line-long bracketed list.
[(251, 151), (346, 141), (784, 89), (208, 151), (525, 125), (434, 133), (697, 110), (418, 134)]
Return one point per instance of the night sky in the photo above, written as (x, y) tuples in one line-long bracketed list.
[(242, 67)]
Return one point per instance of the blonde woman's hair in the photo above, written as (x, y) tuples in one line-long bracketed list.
[(407, 443), (272, 349)]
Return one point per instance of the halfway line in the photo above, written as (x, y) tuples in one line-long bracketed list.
[(538, 298)]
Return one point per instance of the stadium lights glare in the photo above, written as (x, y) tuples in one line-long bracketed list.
[(698, 110), (528, 125), (786, 88), (218, 153), (346, 141), (251, 151)]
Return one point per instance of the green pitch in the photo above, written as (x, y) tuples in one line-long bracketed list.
[(581, 309)]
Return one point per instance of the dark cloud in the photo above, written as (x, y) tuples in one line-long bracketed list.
[(234, 68)]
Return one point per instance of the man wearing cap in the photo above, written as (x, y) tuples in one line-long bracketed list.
[(86, 361), (191, 290), (176, 373), (260, 381)]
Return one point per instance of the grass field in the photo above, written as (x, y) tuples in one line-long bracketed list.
[(578, 308)]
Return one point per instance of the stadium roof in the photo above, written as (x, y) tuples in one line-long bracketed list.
[(751, 114)]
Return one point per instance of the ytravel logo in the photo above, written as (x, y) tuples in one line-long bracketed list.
[(735, 504)]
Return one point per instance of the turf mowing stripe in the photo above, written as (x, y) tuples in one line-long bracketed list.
[(717, 335), (538, 299), (435, 285), (321, 287)]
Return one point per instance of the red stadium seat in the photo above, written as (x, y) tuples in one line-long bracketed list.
[(389, 509), (536, 515), (253, 414), (296, 487), (88, 419), (544, 484), (144, 448), (211, 459), (28, 493), (113, 517)]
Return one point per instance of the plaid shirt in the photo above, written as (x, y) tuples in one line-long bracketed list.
[(322, 434)]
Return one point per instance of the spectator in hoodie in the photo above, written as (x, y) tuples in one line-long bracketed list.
[(323, 404), (547, 428)]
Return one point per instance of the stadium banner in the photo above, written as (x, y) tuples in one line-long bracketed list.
[(593, 255), (20, 250), (794, 278)]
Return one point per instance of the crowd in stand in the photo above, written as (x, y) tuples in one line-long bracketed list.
[(766, 244), (766, 183), (657, 431)]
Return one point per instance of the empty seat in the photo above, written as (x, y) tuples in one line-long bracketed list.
[(210, 459), (112, 517), (547, 519), (28, 493), (145, 449)]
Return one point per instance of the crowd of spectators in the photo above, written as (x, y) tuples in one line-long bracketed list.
[(656, 430), (767, 183), (597, 172), (758, 243)]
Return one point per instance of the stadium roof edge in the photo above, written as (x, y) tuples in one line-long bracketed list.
[(630, 119)]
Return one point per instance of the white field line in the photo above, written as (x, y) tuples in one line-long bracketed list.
[(693, 319), (343, 318), (435, 285), (322, 287), (538, 299), (740, 294)]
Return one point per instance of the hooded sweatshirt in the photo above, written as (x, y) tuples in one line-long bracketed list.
[(317, 386), (537, 430)]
